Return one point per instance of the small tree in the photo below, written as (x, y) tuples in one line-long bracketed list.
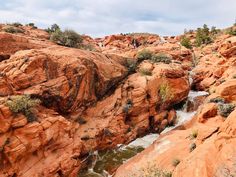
[(53, 28), (202, 36)]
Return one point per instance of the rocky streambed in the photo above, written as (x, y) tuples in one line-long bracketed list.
[(104, 163)]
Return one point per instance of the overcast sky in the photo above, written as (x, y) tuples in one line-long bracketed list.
[(103, 17)]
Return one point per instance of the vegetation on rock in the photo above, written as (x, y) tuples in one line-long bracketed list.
[(161, 58), (148, 55), (68, 38), (225, 109), (23, 104), (131, 64), (165, 91), (185, 41), (144, 55), (145, 72), (193, 134), (203, 36), (12, 29)]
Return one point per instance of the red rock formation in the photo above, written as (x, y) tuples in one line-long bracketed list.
[(210, 150), (88, 102)]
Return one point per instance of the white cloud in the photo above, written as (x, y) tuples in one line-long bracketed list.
[(101, 17)]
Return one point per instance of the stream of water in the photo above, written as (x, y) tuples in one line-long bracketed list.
[(104, 163)]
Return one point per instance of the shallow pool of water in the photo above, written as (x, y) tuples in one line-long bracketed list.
[(104, 163)]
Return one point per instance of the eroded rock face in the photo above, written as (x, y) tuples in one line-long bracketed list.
[(66, 79), (88, 103), (137, 101), (11, 43), (203, 146), (42, 148), (214, 69)]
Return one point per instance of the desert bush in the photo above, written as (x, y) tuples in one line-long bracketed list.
[(16, 24), (165, 92), (12, 29), (144, 55), (32, 25), (185, 41), (23, 104), (161, 58), (145, 72), (131, 65), (225, 109), (217, 100), (175, 162), (67, 38)]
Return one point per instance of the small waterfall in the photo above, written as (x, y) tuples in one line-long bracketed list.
[(104, 163)]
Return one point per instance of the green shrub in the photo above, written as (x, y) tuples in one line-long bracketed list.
[(131, 65), (144, 55), (161, 58), (32, 25), (16, 24), (67, 38), (185, 41), (203, 36), (175, 162), (23, 104), (145, 72), (225, 109), (11, 29)]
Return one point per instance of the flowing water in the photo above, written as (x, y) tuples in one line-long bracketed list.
[(104, 163)]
